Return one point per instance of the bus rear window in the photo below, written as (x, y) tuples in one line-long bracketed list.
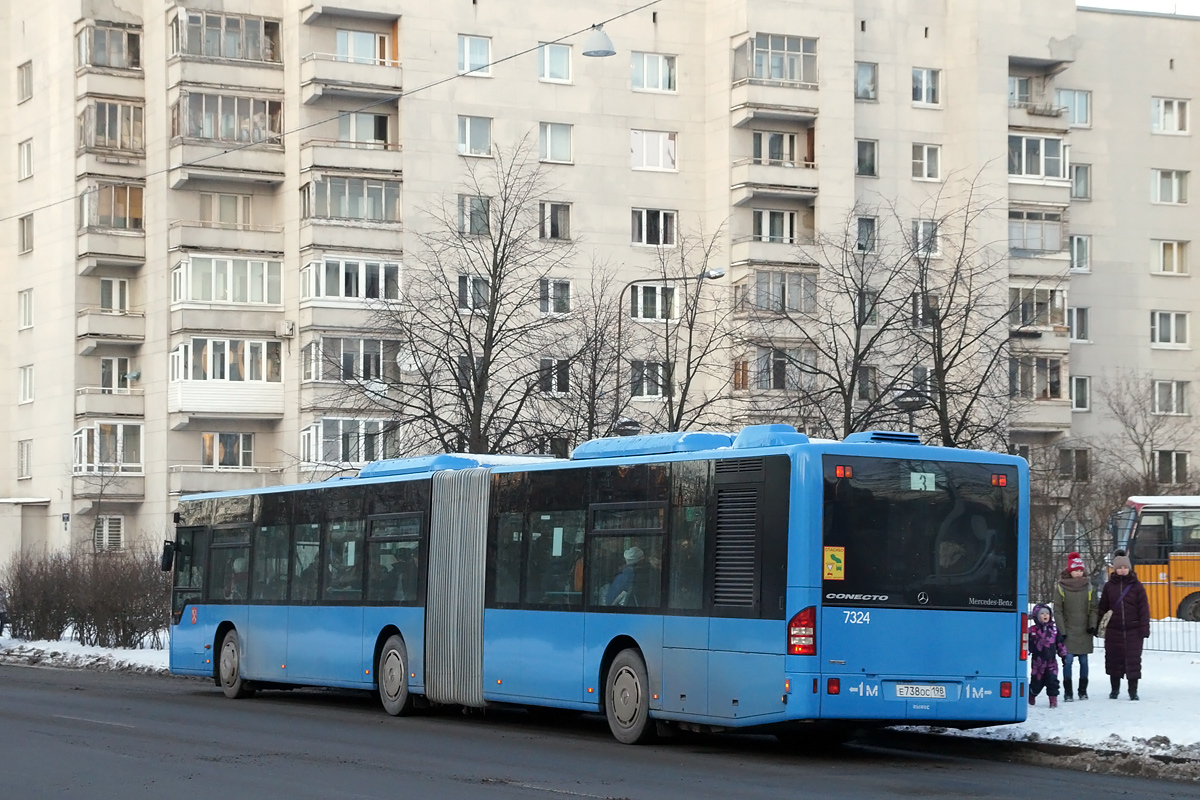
[(920, 534)]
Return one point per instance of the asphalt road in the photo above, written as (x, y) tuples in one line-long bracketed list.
[(108, 735)]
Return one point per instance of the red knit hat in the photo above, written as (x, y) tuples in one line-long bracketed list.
[(1074, 562)]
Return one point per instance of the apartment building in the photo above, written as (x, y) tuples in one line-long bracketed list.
[(207, 193)]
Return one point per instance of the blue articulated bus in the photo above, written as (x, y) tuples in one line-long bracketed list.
[(762, 581)]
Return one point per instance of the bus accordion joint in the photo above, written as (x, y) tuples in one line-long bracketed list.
[(1024, 637), (802, 633)]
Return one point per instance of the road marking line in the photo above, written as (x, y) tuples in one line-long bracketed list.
[(94, 721)]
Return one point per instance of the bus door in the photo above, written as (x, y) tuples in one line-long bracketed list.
[(191, 559), (268, 613)]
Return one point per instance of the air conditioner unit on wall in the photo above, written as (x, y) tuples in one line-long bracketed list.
[(285, 329)]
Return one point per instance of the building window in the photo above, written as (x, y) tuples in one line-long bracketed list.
[(25, 309), (25, 233), (926, 86), (474, 293), (653, 226), (24, 81), (554, 296), (775, 226), (866, 308), (1169, 116), (228, 118), (555, 221), (778, 368), (554, 142), (228, 36), (651, 302), (114, 375), (1081, 253), (474, 136), (866, 162), (1035, 378), (25, 160), (1168, 328), (652, 150), (351, 198), (1081, 181), (1018, 91), (554, 376), (220, 451), (346, 278), (112, 126), (363, 129), (1073, 464), (649, 379), (775, 58), (109, 205), (474, 55), (653, 72), (926, 241), (474, 215), (230, 211), (1036, 157), (554, 63), (1077, 324), (232, 360), (1170, 397), (922, 381), (334, 441), (1172, 466), (108, 447), (333, 358), (1171, 257), (25, 384), (110, 44), (1037, 231), (1037, 307), (925, 161), (114, 295), (1078, 104), (866, 384), (775, 149), (778, 292), (108, 533), (864, 241), (364, 47), (1081, 393), (924, 309), (1170, 186), (205, 279), (866, 81), (24, 459)]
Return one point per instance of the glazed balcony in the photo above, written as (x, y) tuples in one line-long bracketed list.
[(226, 399)]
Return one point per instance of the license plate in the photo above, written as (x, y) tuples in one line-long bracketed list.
[(926, 692)]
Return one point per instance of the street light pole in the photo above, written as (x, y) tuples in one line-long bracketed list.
[(708, 274)]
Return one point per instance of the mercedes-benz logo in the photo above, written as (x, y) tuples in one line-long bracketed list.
[(923, 598)]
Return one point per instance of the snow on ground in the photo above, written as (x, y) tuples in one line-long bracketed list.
[(1165, 722)]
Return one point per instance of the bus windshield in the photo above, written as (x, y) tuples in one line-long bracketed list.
[(920, 534)]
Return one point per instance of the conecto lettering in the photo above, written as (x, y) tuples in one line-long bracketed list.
[(839, 596)]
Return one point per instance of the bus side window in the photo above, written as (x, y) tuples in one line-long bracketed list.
[(305, 550), (270, 579), (1151, 542), (1185, 531), (690, 488)]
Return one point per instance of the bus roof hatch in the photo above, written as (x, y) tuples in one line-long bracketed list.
[(891, 437), (650, 445)]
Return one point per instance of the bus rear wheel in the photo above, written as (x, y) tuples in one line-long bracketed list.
[(627, 699), (391, 673), (1189, 609), (229, 668)]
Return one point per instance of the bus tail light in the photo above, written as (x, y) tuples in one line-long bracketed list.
[(1006, 688), (1024, 637), (802, 633), (834, 686)]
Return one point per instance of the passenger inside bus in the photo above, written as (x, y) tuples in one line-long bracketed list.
[(634, 584)]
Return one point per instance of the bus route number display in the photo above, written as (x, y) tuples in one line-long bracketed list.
[(922, 481)]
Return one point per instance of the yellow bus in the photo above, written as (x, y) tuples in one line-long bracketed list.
[(1162, 537)]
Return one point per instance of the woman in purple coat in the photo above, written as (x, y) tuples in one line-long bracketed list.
[(1125, 597)]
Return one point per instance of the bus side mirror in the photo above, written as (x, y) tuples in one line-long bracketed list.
[(168, 556)]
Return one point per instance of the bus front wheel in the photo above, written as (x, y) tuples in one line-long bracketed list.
[(229, 668), (1189, 609), (627, 699), (392, 676)]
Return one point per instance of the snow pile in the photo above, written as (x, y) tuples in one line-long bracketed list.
[(72, 655)]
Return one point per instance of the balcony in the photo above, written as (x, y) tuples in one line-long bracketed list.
[(110, 247), (354, 235), (110, 82), (321, 154), (1039, 263), (95, 326), (260, 164), (205, 71), (757, 101), (239, 319), (1038, 116), (1041, 339), (96, 401), (108, 487), (1041, 416), (185, 479), (763, 179), (753, 250), (329, 75), (223, 237), (224, 400)]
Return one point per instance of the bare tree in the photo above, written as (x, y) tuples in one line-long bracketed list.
[(1148, 432)]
